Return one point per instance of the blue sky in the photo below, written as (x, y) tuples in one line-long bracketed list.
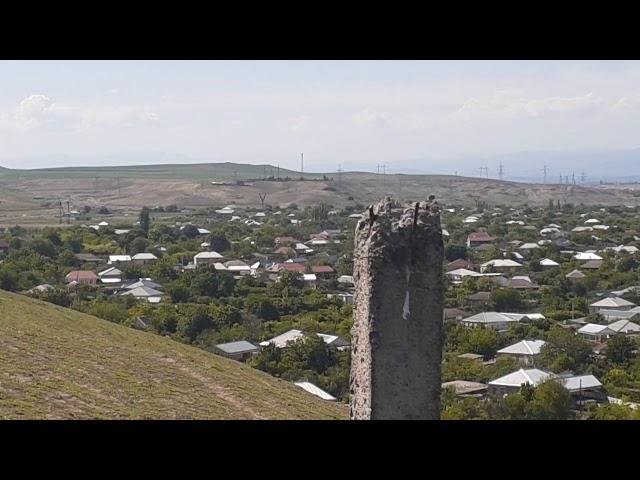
[(350, 113)]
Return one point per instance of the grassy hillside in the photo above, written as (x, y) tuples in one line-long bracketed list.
[(56, 363), (195, 171)]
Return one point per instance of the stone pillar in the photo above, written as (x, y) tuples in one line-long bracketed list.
[(397, 332)]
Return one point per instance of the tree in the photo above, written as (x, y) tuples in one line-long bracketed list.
[(620, 350), (178, 293), (109, 311), (205, 284), (291, 279), (190, 231), (8, 279), (189, 327), (145, 220), (507, 299), (43, 247), (627, 264), (564, 351), (262, 307), (138, 245), (453, 252), (482, 341), (551, 401), (219, 242)]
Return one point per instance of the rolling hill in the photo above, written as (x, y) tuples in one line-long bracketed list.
[(57, 363), (30, 197)]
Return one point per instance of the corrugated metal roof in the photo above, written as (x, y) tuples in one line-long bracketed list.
[(318, 392), (237, 347)]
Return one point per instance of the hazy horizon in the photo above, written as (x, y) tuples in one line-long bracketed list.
[(412, 116)]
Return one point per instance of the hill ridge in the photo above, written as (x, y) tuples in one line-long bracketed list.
[(56, 363)]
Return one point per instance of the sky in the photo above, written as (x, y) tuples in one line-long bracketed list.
[(352, 114)]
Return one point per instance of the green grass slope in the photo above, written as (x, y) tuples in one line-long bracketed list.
[(57, 363), (194, 171)]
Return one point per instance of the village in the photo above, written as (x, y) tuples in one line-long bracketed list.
[(533, 294)]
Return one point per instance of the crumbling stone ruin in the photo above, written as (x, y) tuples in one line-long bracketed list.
[(397, 332)]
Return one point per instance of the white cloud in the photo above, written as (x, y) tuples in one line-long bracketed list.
[(512, 103), (369, 117), (299, 123), (39, 112)]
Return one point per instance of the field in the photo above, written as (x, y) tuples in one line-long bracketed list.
[(30, 197), (56, 363)]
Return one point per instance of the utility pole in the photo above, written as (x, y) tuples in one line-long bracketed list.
[(560, 182), (278, 170), (583, 178), (68, 213), (544, 170), (500, 171), (573, 178), (339, 175), (302, 165), (379, 167), (60, 211)]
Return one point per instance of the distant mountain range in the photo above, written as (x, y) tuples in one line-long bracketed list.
[(606, 165), (597, 165)]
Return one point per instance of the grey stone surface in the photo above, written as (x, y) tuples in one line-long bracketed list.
[(398, 309)]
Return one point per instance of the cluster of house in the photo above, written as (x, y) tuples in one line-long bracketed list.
[(243, 350), (584, 389), (289, 255)]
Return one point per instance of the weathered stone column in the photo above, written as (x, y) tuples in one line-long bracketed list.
[(397, 332)]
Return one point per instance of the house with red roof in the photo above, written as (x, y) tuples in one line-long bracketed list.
[(82, 276), (479, 238)]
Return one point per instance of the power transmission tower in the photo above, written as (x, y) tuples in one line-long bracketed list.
[(560, 182), (68, 213), (262, 196), (583, 178), (302, 165), (500, 171), (573, 178), (339, 175), (379, 167), (60, 211), (544, 171), (278, 170), (485, 170)]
